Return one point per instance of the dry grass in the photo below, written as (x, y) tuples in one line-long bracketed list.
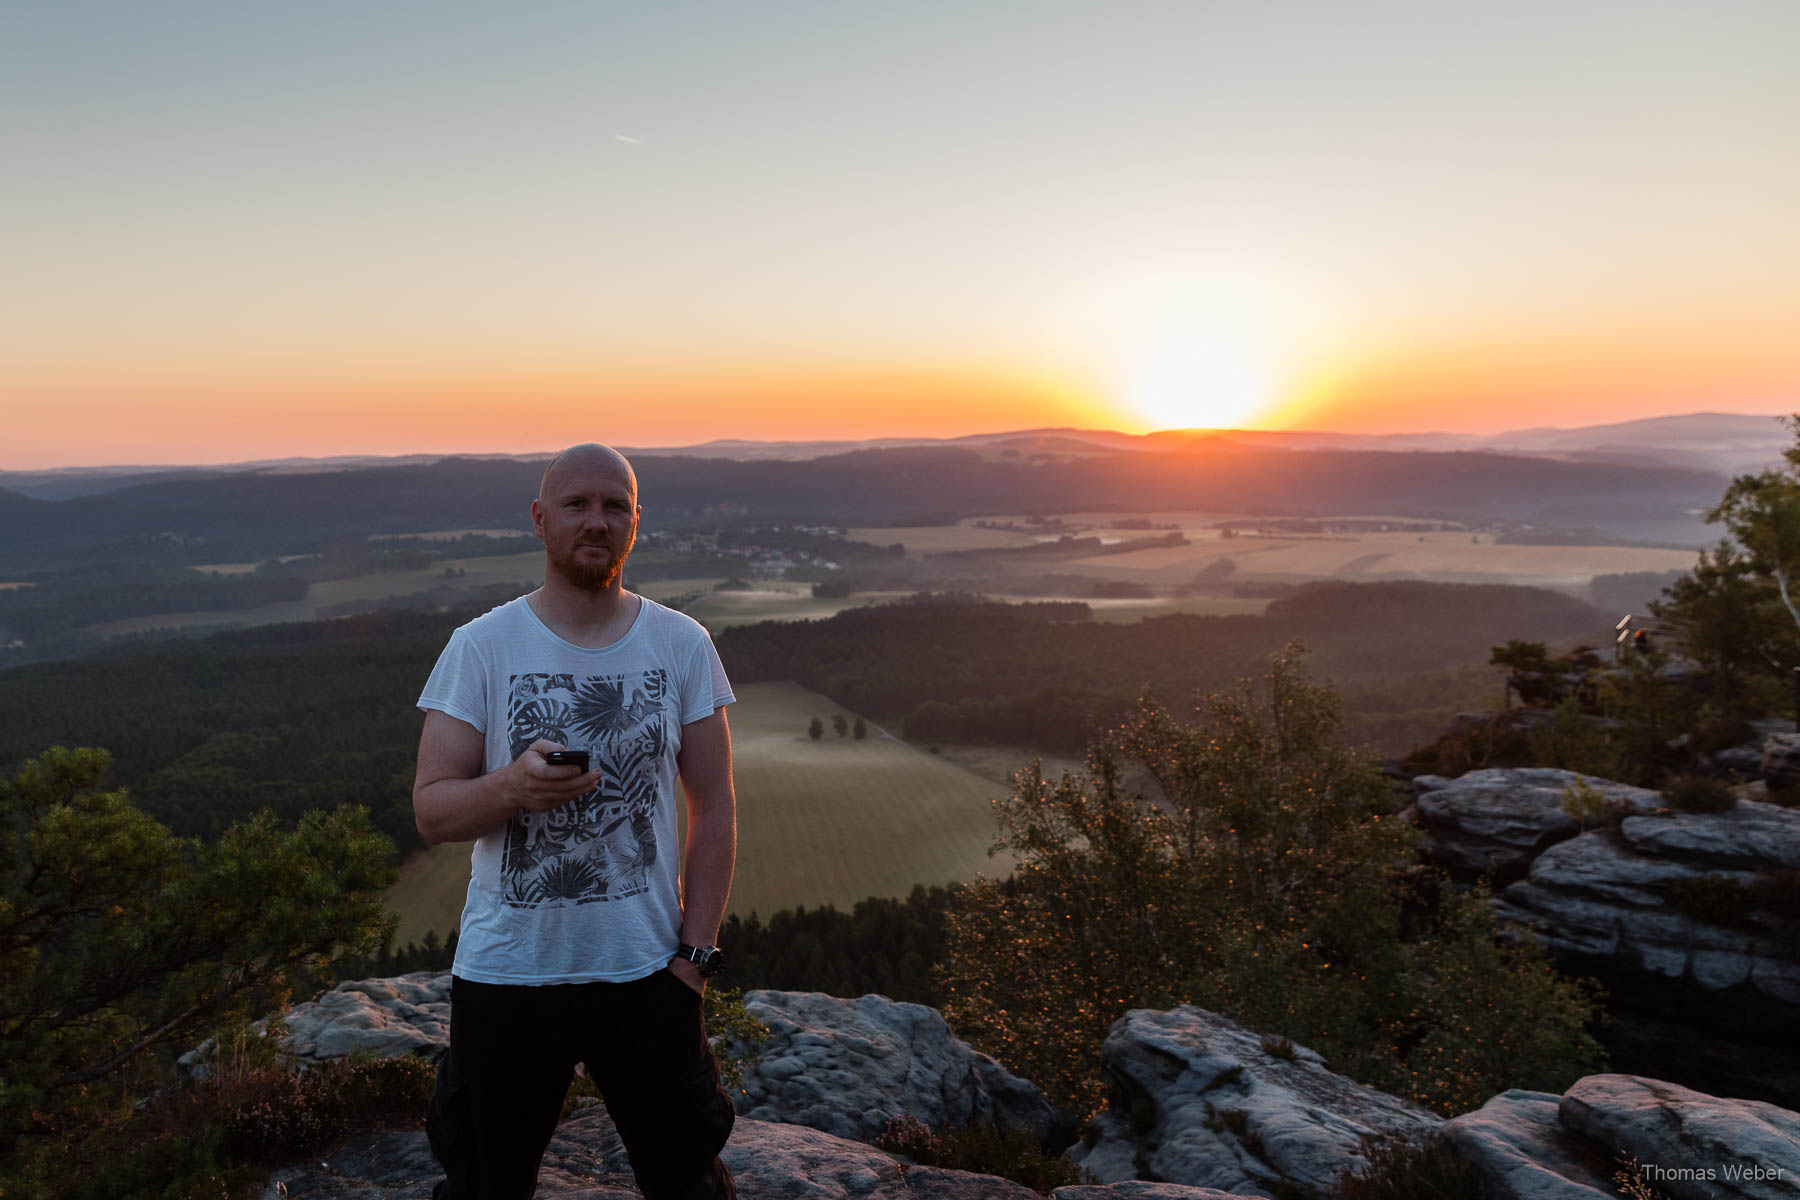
[(832, 821), (931, 539), (776, 602)]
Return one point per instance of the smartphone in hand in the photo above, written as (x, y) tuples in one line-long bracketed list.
[(568, 758)]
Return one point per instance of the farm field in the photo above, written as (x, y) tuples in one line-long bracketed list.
[(772, 602), (931, 539), (1449, 557), (826, 822)]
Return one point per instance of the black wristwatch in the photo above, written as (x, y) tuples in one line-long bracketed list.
[(710, 959)]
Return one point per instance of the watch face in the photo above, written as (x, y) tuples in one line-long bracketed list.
[(711, 961)]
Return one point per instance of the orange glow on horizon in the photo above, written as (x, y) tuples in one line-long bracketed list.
[(477, 400)]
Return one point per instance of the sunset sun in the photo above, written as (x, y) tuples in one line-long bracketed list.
[(1203, 381)]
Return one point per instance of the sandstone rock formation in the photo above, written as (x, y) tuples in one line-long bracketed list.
[(1524, 1153), (1716, 1006), (1689, 1145), (1494, 822), (849, 1066), (1198, 1100), (770, 1161), (407, 1014)]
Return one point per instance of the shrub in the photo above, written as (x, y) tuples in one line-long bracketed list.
[(1497, 742), (220, 1136), (1777, 893), (1396, 1169), (1271, 867), (1278, 1047), (1632, 1184), (120, 937), (1585, 804), (1713, 899), (735, 1034), (982, 1149), (1698, 794)]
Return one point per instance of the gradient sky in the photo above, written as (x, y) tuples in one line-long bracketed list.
[(236, 231)]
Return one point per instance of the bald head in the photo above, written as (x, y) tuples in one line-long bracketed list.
[(582, 459)]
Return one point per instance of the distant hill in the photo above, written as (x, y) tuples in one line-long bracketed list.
[(1724, 443), (261, 513)]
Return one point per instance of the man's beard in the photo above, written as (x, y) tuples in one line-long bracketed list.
[(591, 576)]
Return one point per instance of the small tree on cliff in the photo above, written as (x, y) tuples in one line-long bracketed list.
[(117, 938), (1266, 878)]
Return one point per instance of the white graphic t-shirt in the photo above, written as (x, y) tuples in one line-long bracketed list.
[(588, 891)]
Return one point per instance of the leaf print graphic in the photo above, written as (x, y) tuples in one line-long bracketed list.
[(541, 718), (568, 878), (599, 709)]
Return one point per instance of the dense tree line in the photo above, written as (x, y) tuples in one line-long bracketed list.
[(70, 599), (957, 668), (208, 731), (886, 945), (312, 715)]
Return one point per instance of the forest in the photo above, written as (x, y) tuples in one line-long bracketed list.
[(959, 668), (293, 717)]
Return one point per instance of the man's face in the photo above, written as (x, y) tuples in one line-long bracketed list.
[(587, 520)]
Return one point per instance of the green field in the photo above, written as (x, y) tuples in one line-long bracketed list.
[(827, 822)]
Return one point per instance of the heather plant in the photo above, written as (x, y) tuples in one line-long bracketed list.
[(1698, 794), (1712, 899), (982, 1149), (1397, 1169), (1261, 873)]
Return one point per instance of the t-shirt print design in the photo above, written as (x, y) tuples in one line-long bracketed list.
[(602, 845)]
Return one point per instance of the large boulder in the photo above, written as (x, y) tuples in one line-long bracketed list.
[(1685, 1144), (1198, 1100), (1493, 822), (407, 1014), (848, 1067), (1523, 1153), (586, 1161), (1689, 1145)]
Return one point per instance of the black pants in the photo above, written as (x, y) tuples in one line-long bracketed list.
[(513, 1052)]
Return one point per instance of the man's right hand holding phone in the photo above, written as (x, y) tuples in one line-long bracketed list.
[(540, 783)]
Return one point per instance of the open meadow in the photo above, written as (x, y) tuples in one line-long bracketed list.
[(826, 822), (1443, 556)]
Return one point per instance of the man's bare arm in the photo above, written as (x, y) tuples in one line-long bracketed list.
[(454, 802), (711, 853)]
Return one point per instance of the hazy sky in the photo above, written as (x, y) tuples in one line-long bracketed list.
[(238, 230)]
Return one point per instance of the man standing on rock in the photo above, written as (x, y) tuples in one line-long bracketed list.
[(583, 939)]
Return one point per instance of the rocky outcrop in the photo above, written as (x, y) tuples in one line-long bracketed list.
[(1749, 759), (1523, 1153), (586, 1161), (1494, 822), (1714, 1005), (1198, 1100), (1781, 760), (1688, 1144), (407, 1014), (849, 1066)]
